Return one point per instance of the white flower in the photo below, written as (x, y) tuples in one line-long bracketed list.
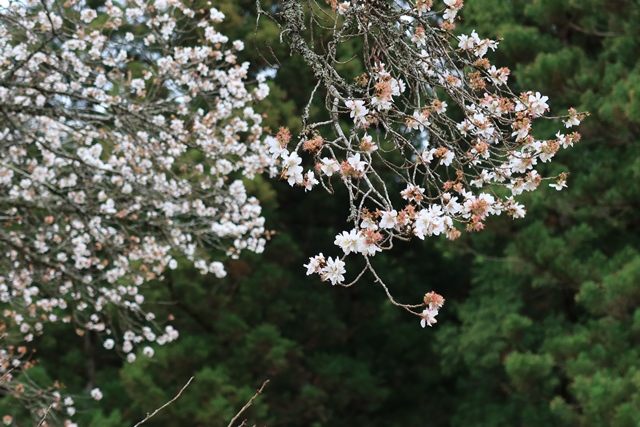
[(238, 45), (481, 206), (215, 15), (422, 7), (315, 264), (467, 43), (381, 104), (88, 15), (427, 155), (329, 166), (96, 394), (429, 222), (450, 205), (559, 185), (334, 271), (343, 7), (538, 104), (369, 224), (350, 241), (412, 193), (161, 5), (499, 76), (292, 169), (355, 241), (453, 6), (217, 269), (440, 107), (417, 121), (358, 110), (515, 209), (564, 140), (389, 219), (275, 148), (447, 158), (573, 120), (367, 145), (428, 316), (368, 248), (357, 164), (309, 181), (419, 37)]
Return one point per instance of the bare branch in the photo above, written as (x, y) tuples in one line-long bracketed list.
[(176, 397), (248, 404)]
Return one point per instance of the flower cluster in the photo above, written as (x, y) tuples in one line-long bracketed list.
[(433, 303), (127, 131), (428, 141)]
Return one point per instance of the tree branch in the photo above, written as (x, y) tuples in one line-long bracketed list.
[(248, 404), (176, 397)]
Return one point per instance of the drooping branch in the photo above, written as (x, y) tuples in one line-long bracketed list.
[(428, 140)]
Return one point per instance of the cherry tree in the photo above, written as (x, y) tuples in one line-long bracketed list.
[(126, 134), (429, 140)]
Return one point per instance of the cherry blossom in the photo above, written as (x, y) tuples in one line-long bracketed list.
[(96, 394), (389, 219), (411, 169), (128, 129), (333, 271), (428, 317)]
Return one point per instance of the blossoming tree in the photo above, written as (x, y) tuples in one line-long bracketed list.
[(429, 140), (127, 131)]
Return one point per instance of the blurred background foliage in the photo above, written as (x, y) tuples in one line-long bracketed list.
[(542, 322)]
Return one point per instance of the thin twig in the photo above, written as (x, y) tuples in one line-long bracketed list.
[(248, 404), (44, 417), (176, 397)]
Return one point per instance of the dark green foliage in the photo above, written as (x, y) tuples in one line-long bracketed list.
[(548, 328)]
